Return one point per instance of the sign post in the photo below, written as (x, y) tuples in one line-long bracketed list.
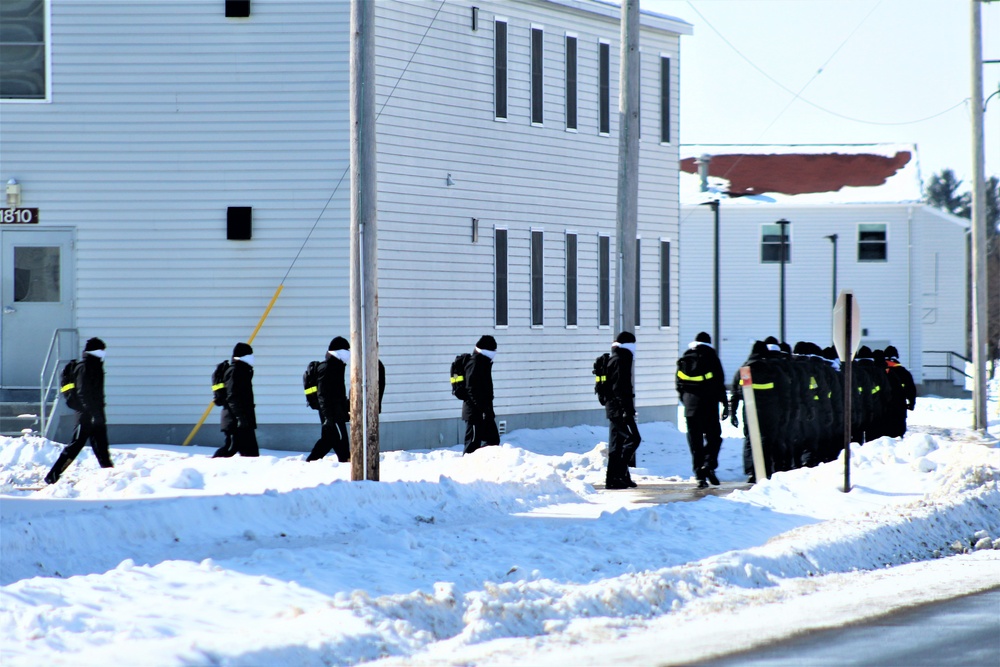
[(847, 338), (753, 425)]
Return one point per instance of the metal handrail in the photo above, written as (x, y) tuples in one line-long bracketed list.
[(949, 363), (47, 385)]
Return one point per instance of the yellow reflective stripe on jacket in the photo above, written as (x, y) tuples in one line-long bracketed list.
[(695, 378), (876, 389), (310, 390), (766, 385), (215, 387), (457, 378), (67, 387), (813, 384), (601, 378)]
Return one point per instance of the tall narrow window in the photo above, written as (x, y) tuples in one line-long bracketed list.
[(771, 243), (537, 71), (872, 243), (664, 283), (604, 87), (664, 99), (638, 280), (570, 279), (22, 50), (500, 68), (500, 287), (604, 280), (537, 279), (570, 82)]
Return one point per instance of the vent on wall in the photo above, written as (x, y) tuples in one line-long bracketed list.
[(239, 223), (502, 427), (237, 9)]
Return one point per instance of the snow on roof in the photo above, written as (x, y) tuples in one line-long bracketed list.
[(803, 174)]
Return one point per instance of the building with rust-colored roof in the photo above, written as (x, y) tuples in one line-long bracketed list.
[(904, 260)]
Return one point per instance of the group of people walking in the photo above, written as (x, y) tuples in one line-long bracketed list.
[(799, 401)]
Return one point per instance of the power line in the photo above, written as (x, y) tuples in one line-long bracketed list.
[(797, 95)]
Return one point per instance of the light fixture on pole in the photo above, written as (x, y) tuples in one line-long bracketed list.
[(783, 224)]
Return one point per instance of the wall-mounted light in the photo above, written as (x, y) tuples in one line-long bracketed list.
[(475, 230), (13, 193), (449, 181)]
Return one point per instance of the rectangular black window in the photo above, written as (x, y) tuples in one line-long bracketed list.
[(604, 280), (771, 244), (872, 243), (537, 70), (664, 100), (570, 82), (500, 69), (570, 280), (500, 260), (664, 283), (22, 50), (537, 279), (604, 86), (638, 280)]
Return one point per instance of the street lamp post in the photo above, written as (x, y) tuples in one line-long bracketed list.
[(784, 225), (833, 240)]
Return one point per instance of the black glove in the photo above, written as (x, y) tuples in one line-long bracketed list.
[(239, 423), (725, 412)]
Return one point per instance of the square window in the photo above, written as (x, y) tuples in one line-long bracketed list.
[(873, 244), (774, 240), (23, 51)]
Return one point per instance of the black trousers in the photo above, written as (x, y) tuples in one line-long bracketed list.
[(623, 440), (242, 441), (704, 436), (480, 432), (98, 436), (332, 437)]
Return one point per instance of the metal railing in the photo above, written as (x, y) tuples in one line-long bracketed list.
[(949, 364), (63, 346)]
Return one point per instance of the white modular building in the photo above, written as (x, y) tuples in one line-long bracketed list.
[(861, 205), (173, 163)]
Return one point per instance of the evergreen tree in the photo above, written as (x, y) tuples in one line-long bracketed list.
[(942, 192)]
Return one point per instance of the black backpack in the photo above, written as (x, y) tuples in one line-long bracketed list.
[(67, 386), (458, 388), (601, 385), (219, 395), (310, 383), (693, 370)]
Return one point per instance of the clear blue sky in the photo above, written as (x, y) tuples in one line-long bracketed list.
[(871, 66)]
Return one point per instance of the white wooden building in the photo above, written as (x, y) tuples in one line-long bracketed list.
[(138, 131), (904, 260)]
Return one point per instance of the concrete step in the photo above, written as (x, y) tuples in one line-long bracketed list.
[(943, 388)]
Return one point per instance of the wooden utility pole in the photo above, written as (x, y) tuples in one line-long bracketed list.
[(979, 306), (628, 168), (364, 244)]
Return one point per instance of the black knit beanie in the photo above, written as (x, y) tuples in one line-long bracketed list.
[(94, 344), (625, 337), (487, 343), (339, 343), (703, 337), (242, 350)]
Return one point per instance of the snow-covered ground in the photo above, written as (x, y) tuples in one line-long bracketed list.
[(507, 557)]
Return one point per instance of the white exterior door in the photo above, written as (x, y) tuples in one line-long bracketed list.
[(36, 272)]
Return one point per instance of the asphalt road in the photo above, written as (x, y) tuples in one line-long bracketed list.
[(953, 633)]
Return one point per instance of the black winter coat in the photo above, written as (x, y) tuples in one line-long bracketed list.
[(333, 405), (239, 408), (479, 386), (90, 388), (707, 388), (622, 400)]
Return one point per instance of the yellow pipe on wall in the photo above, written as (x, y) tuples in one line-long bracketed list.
[(208, 410)]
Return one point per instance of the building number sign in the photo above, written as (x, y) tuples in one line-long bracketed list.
[(18, 216)]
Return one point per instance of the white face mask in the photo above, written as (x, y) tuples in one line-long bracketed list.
[(343, 355), (100, 354), (247, 359)]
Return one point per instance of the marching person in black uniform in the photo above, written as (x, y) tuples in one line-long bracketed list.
[(333, 406), (239, 420), (623, 436), (91, 423), (477, 409), (904, 394), (701, 388)]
